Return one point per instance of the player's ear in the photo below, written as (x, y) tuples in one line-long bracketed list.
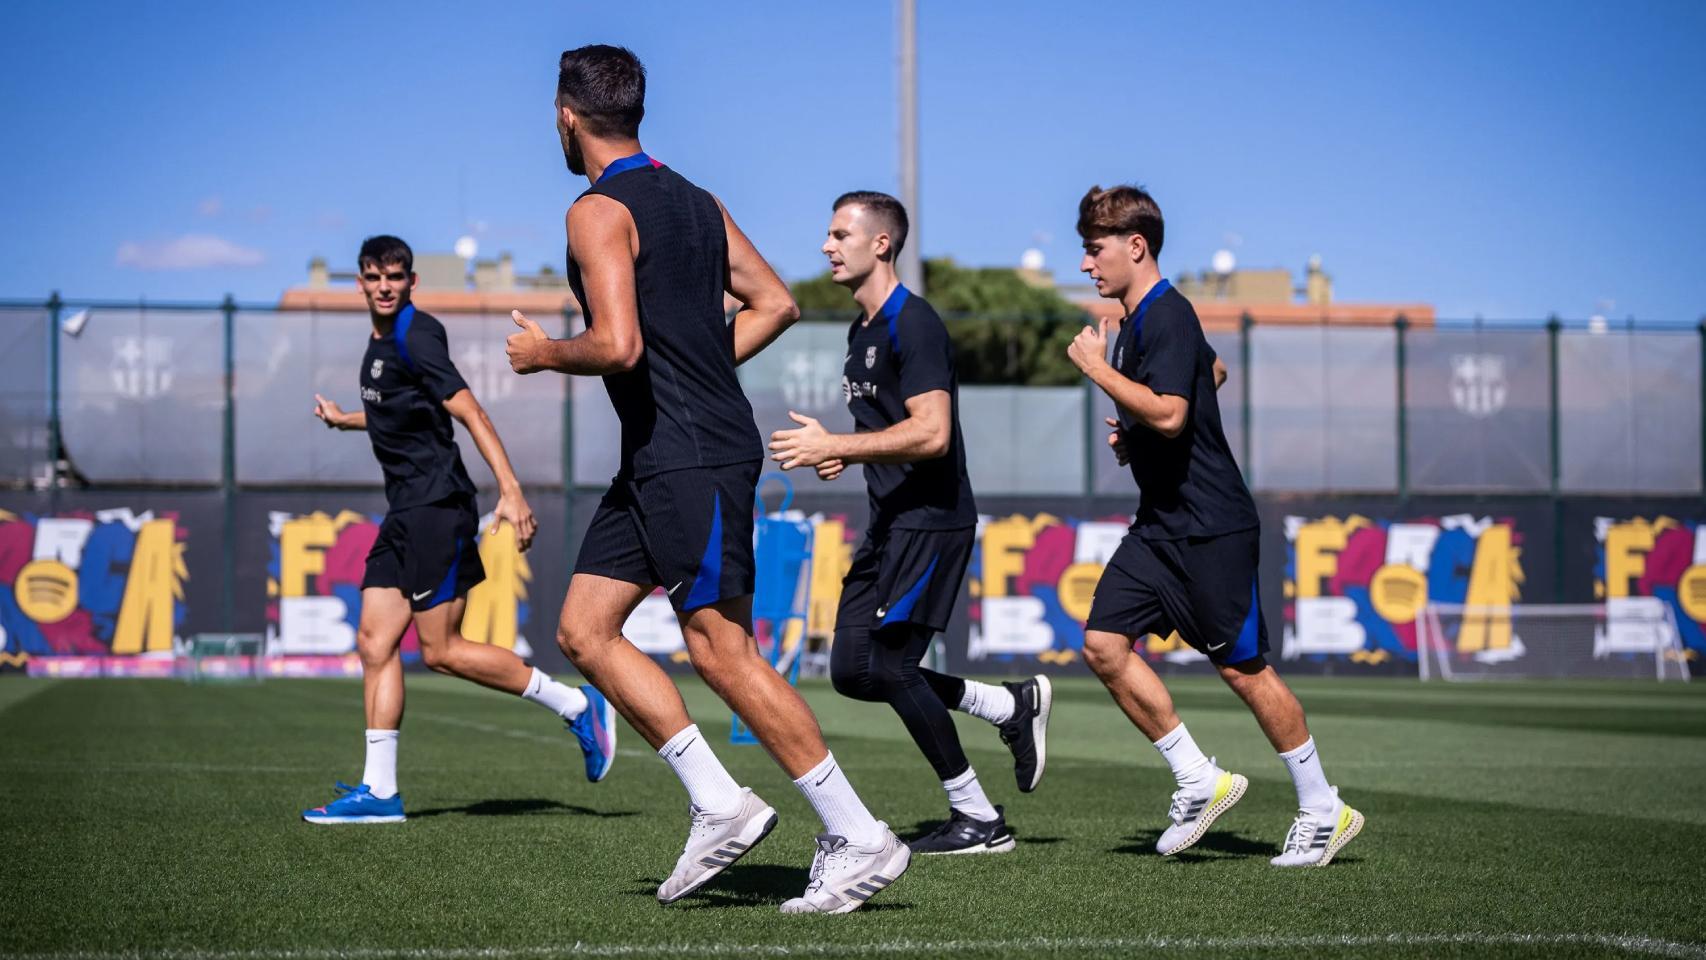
[(414, 278), (883, 243), (1139, 247)]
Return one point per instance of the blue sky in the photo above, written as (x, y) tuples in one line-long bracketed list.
[(1505, 160)]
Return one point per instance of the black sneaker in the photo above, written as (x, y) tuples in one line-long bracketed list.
[(1026, 732), (962, 834)]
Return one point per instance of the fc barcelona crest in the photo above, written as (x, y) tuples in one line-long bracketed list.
[(870, 357)]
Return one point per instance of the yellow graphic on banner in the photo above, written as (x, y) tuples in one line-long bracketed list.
[(494, 605), (157, 575)]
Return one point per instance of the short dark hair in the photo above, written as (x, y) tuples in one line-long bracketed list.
[(886, 208), (606, 87), (385, 249), (1121, 211)]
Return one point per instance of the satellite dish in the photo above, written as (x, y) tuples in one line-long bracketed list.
[(1597, 324), (1031, 259), (1223, 261), (467, 247)]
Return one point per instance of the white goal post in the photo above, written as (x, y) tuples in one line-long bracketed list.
[(1632, 638)]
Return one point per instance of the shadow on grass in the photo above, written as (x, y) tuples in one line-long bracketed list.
[(521, 808), (1217, 845), (749, 885)]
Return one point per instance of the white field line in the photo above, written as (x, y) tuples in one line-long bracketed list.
[(1634, 944)]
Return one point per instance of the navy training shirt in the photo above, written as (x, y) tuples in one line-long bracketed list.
[(405, 378), (682, 404), (1190, 484), (902, 353)]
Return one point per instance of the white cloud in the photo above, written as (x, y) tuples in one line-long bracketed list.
[(193, 251), (209, 206)]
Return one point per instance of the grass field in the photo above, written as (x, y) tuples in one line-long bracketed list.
[(154, 819)]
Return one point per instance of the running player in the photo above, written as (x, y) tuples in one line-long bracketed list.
[(1189, 561), (650, 257), (900, 385), (425, 559)]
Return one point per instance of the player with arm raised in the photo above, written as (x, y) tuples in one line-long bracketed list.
[(900, 386), (650, 257), (1189, 561), (426, 557)]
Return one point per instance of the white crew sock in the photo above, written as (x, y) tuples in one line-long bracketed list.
[(709, 786), (1313, 793), (988, 701), (563, 700), (842, 812), (1190, 768), (966, 795), (381, 772)]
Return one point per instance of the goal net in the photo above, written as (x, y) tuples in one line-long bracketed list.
[(1633, 638)]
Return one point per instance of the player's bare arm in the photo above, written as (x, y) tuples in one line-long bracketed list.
[(1162, 412), (1116, 439), (923, 435), (512, 505), (336, 417), (604, 243), (767, 308)]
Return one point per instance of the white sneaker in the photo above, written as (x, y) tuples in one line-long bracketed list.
[(1313, 840), (845, 876), (715, 842), (1193, 813)]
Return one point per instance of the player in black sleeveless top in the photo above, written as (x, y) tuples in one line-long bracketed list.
[(426, 557), (1189, 562), (650, 257), (901, 388)]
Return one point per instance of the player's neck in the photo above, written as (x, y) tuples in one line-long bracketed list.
[(382, 326), (600, 154), (1147, 277), (875, 290)]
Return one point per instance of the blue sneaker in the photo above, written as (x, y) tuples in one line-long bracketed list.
[(357, 804), (595, 728)]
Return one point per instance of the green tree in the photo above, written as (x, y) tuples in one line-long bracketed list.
[(1005, 330)]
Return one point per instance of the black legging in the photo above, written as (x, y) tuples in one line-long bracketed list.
[(883, 668)]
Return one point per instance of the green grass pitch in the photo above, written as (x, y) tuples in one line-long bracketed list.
[(152, 819)]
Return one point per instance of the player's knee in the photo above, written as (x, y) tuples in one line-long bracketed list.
[(1105, 653), (436, 656), (1245, 674), (853, 680), (578, 642), (373, 646)]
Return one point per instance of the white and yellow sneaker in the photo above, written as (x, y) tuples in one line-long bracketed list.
[(1313, 839), (1193, 813)]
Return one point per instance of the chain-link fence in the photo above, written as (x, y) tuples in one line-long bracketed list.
[(220, 395)]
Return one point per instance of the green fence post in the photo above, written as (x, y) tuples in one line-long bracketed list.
[(1554, 327), (228, 466), (55, 442), (1402, 324), (1245, 323)]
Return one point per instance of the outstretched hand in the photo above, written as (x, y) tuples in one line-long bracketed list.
[(1089, 349), (523, 346), (514, 508), (807, 445), (328, 412), (1116, 442)]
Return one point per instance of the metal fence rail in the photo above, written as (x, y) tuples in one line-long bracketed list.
[(211, 395)]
